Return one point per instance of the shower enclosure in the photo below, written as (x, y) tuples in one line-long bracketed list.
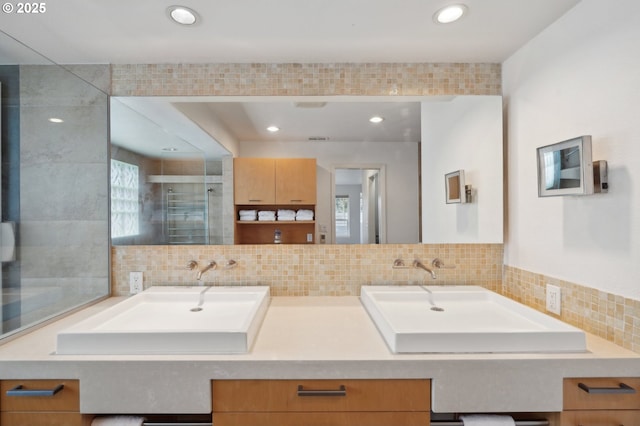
[(54, 192)]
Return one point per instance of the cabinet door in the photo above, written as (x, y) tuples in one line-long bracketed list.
[(602, 393), (295, 181), (600, 418), (254, 181)]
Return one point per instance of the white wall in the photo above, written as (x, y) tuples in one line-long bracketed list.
[(400, 158), (465, 133), (579, 76)]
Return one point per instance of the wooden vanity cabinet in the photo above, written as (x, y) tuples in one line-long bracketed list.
[(26, 407), (321, 402), (601, 402), (272, 184)]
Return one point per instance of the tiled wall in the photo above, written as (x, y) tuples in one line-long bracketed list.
[(374, 79), (609, 316), (308, 270)]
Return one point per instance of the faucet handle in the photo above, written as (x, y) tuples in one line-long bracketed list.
[(192, 265), (437, 263)]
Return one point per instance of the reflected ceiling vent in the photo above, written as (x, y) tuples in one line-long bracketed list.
[(309, 104), (318, 138)]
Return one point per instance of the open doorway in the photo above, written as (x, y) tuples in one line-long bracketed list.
[(358, 205)]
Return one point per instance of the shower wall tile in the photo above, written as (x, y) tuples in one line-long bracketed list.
[(64, 186)]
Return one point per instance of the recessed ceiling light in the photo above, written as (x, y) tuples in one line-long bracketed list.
[(376, 119), (170, 149), (273, 129), (182, 15), (449, 14), (56, 120)]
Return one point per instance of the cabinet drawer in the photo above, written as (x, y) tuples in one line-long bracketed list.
[(600, 418), (602, 394), (320, 395), (42, 419), (353, 418), (67, 399)]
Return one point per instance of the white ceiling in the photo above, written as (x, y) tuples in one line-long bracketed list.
[(282, 31), (125, 31)]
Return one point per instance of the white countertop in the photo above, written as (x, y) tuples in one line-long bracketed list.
[(309, 338)]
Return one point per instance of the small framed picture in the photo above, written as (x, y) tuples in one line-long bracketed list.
[(454, 187)]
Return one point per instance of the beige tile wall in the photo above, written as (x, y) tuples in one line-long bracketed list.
[(308, 270), (372, 79), (609, 316)]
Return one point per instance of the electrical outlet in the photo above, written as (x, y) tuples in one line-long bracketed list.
[(553, 299), (135, 282), (309, 238)]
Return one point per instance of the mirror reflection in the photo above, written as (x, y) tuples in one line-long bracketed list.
[(195, 139)]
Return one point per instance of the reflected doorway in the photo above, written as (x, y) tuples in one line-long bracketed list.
[(358, 205)]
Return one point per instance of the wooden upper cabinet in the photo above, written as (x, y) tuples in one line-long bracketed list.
[(296, 181), (254, 180), (268, 181)]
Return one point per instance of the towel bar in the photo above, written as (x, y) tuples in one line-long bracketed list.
[(518, 423)]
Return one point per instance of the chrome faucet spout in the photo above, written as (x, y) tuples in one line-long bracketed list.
[(210, 265), (420, 265)]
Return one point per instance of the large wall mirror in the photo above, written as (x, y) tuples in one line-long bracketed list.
[(184, 145)]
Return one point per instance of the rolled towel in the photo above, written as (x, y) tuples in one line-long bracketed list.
[(487, 420), (118, 421)]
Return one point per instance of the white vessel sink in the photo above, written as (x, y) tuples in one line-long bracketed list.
[(471, 320), (172, 320)]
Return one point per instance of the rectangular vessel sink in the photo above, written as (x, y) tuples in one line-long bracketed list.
[(172, 320), (466, 319)]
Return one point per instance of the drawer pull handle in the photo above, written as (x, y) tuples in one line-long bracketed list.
[(19, 391), (621, 389), (254, 200), (341, 391)]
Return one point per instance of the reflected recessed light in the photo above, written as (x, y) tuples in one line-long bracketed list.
[(273, 129), (170, 149), (449, 14), (182, 15), (56, 120), (376, 119)]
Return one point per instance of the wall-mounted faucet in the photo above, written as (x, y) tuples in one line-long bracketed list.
[(210, 265), (420, 265)]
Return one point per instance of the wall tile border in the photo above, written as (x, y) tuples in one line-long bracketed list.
[(339, 79)]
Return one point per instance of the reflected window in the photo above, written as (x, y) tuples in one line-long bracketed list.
[(124, 199), (343, 228)]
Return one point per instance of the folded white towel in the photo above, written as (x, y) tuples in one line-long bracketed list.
[(267, 215), (304, 214), (487, 420), (285, 212), (118, 421), (248, 212)]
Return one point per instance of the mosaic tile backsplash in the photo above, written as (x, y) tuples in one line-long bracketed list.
[(308, 270), (612, 317)]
